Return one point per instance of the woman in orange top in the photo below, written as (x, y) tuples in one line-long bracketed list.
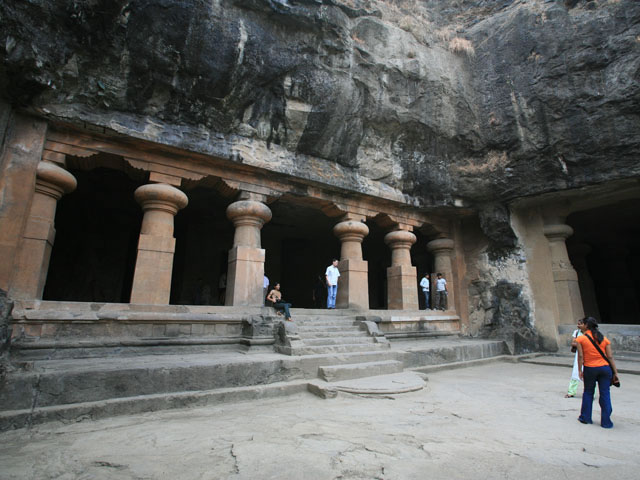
[(592, 368)]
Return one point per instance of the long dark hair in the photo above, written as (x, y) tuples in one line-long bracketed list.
[(592, 325)]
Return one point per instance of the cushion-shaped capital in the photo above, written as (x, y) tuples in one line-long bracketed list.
[(155, 195), (440, 245), (55, 179), (248, 209)]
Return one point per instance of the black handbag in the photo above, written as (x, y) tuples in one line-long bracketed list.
[(614, 380)]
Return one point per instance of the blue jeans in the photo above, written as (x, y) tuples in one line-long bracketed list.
[(283, 307), (427, 299), (601, 375), (441, 300), (332, 291)]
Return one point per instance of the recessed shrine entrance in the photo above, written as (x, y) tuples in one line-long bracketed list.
[(605, 252)]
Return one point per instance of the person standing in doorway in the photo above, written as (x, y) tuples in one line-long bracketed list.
[(331, 276), (265, 289), (441, 293), (425, 284)]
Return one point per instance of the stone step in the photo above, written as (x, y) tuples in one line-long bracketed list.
[(336, 373), (328, 329), (351, 333), (112, 385), (338, 340), (337, 349), (323, 322)]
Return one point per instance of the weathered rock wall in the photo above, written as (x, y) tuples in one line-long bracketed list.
[(479, 100)]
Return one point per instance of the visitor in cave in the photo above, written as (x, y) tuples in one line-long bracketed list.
[(274, 299), (441, 293), (595, 365)]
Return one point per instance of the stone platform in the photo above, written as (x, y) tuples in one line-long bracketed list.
[(70, 389)]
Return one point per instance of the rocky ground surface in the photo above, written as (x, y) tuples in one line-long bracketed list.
[(501, 420)]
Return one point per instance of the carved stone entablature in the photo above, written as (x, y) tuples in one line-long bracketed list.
[(248, 191)]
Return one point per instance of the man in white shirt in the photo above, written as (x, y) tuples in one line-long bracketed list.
[(331, 275), (441, 293), (425, 283)]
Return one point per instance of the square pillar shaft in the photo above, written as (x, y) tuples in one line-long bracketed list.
[(353, 286), (245, 276), (154, 267), (401, 288)]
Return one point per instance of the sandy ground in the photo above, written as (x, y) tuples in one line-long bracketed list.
[(498, 421)]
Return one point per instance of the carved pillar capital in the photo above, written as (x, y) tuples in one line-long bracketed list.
[(351, 233), (54, 181), (557, 232), (160, 196), (441, 246), (400, 242), (248, 216)]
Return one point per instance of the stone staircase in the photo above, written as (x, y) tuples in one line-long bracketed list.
[(325, 332), (360, 359), (326, 352)]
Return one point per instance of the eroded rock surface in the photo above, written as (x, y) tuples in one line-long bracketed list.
[(479, 100)]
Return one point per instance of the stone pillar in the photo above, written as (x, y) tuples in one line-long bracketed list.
[(442, 249), (246, 258), (564, 276), (156, 245), (32, 263), (585, 282), (402, 277), (353, 285)]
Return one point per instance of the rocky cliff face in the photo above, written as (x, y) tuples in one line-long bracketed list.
[(480, 100)]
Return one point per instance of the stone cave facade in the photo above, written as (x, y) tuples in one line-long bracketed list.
[(150, 149)]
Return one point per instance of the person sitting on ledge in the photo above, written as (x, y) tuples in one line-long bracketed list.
[(274, 299)]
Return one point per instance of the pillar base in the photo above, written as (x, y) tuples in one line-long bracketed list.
[(353, 284), (402, 290), (245, 276)]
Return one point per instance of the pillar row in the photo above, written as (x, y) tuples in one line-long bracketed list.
[(442, 249), (156, 244), (402, 293), (353, 285), (32, 262), (565, 278), (246, 257)]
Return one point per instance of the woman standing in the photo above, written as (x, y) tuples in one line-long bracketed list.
[(575, 377), (595, 367)]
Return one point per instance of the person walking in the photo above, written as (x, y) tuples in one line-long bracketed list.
[(595, 365), (441, 293), (275, 299), (425, 283), (575, 377), (331, 275)]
